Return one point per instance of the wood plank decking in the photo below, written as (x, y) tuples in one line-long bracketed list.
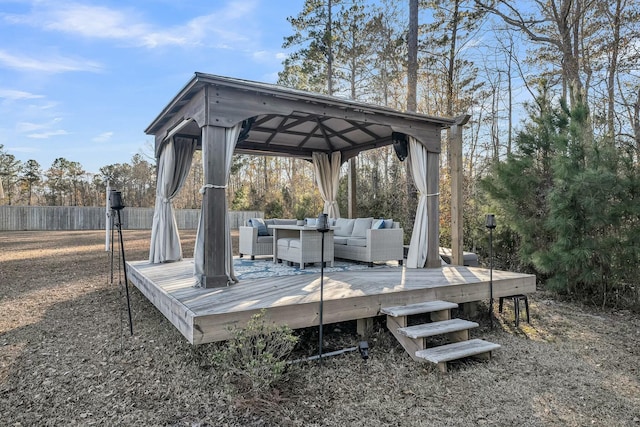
[(205, 315)]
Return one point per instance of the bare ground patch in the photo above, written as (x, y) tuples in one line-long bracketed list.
[(66, 358)]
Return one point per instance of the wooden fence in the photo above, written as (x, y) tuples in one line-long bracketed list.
[(51, 218)]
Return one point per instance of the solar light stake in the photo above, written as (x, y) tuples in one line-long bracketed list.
[(491, 224)]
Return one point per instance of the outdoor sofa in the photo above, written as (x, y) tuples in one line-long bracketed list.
[(368, 240), (361, 239), (256, 238)]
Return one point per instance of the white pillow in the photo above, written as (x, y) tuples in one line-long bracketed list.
[(361, 226)]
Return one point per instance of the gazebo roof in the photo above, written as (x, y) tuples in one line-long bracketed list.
[(288, 122)]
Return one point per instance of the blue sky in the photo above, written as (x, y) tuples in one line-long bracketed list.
[(83, 79)]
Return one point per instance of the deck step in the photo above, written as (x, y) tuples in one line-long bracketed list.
[(419, 308), (437, 328), (455, 351)]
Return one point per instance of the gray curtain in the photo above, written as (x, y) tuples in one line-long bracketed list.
[(231, 138), (173, 167), (327, 176), (417, 256)]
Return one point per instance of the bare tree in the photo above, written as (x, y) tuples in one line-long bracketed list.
[(554, 23)]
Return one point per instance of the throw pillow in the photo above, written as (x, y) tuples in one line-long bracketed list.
[(377, 224), (361, 226), (388, 223), (260, 225)]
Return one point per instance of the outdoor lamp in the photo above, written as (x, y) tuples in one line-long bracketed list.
[(491, 224), (322, 225), (115, 203), (491, 221), (115, 199), (400, 145)]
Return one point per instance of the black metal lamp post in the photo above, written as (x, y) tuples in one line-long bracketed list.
[(322, 226), (115, 199), (491, 224)]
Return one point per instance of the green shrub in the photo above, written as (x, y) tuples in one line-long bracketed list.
[(256, 356)]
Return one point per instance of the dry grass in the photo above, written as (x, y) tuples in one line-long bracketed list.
[(66, 358)]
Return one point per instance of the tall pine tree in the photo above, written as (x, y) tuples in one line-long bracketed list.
[(574, 204)]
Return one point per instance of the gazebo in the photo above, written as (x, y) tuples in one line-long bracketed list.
[(222, 116)]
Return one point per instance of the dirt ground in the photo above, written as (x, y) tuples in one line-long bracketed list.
[(66, 358)]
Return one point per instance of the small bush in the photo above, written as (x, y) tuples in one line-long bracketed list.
[(256, 356)]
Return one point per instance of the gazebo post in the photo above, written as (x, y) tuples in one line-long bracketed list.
[(214, 207), (457, 204), (433, 209), (352, 207)]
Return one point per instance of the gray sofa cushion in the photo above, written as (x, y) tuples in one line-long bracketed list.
[(361, 226), (265, 239), (294, 243), (280, 221), (269, 222), (344, 227), (284, 242), (357, 241), (340, 240)]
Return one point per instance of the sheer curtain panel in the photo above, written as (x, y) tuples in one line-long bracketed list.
[(173, 168)]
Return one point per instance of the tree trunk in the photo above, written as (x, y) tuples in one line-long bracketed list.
[(412, 60), (412, 103), (613, 69), (636, 125), (329, 42)]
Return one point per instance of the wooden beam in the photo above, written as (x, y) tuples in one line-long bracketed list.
[(214, 207), (364, 327), (433, 210)]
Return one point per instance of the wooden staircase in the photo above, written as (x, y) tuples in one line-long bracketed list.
[(456, 332)]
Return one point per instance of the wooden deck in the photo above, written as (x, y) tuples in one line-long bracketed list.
[(205, 315)]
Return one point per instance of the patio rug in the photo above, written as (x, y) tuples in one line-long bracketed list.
[(260, 268)]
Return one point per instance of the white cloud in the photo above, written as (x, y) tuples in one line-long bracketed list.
[(127, 26), (92, 21), (261, 55), (48, 134), (51, 65), (42, 130), (23, 149), (26, 127), (17, 95), (270, 78), (265, 56), (103, 137)]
